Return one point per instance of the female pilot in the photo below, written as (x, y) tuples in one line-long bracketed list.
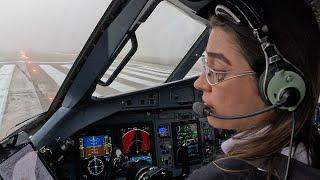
[(241, 78)]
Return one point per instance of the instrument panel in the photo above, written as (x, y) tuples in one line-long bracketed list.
[(95, 147), (154, 137)]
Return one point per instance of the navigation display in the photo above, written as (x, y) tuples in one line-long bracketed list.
[(136, 143), (95, 146), (186, 134)]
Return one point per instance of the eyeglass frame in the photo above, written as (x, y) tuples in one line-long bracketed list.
[(214, 72)]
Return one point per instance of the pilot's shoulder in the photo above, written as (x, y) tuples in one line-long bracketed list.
[(227, 168)]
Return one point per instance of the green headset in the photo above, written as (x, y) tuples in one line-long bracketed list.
[(281, 79)]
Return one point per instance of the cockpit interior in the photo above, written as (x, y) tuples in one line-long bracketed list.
[(150, 133)]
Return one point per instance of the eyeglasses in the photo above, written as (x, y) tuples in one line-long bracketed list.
[(215, 77)]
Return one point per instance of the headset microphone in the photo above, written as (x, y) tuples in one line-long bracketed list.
[(201, 109)]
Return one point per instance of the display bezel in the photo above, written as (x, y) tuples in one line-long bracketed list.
[(103, 145), (82, 161), (167, 126), (139, 126)]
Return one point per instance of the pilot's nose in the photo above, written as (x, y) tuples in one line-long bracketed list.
[(202, 84)]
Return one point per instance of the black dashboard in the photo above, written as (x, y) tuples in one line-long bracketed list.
[(104, 138), (125, 137), (146, 133), (156, 137)]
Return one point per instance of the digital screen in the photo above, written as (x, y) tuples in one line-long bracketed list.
[(93, 141), (187, 134), (163, 131), (136, 143), (139, 158), (95, 146)]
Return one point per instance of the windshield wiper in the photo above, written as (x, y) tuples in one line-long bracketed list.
[(12, 139), (35, 116), (31, 118)]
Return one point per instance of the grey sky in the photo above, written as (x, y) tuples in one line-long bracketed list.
[(63, 26), (48, 25)]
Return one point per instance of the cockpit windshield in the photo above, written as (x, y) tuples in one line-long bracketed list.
[(42, 39), (38, 38)]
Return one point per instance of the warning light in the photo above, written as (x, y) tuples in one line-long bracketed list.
[(34, 70)]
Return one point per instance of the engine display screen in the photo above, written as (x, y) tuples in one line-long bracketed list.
[(95, 146), (136, 143), (186, 134)]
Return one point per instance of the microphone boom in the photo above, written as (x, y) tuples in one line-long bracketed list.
[(204, 111)]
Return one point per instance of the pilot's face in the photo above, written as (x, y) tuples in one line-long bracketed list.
[(236, 96)]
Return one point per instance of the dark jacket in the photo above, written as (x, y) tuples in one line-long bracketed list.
[(234, 169)]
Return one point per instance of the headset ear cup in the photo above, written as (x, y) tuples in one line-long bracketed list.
[(272, 70), (284, 80)]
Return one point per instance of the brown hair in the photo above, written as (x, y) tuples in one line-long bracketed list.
[(294, 30)]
